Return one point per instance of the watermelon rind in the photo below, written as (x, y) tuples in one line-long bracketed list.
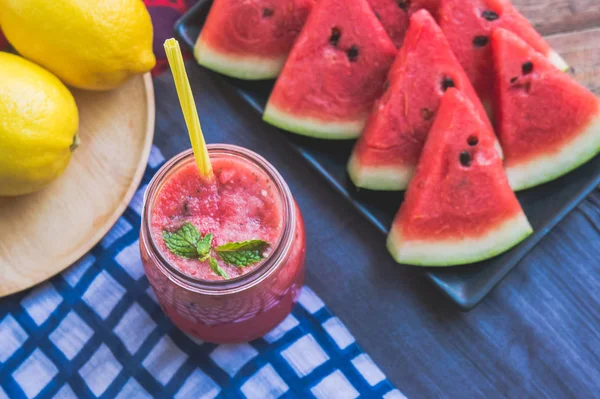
[(379, 178), (312, 127), (385, 177), (548, 167), (459, 251), (241, 67), (558, 61)]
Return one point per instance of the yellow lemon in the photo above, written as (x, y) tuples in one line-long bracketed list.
[(94, 45), (38, 126)]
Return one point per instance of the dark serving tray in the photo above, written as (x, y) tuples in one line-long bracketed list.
[(467, 285)]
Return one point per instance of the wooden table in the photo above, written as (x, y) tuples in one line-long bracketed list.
[(537, 335)]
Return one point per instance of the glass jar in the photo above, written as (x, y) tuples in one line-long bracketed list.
[(242, 308)]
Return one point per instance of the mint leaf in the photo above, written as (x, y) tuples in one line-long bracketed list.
[(241, 254), (184, 241), (242, 246), (214, 266), (203, 247), (241, 258), (187, 243)]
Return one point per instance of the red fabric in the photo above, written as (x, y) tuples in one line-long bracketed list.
[(3, 42), (164, 14), (179, 5)]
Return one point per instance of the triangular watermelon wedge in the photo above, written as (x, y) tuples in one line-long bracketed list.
[(250, 39), (547, 123), (387, 152), (459, 207), (334, 73), (468, 26), (395, 14)]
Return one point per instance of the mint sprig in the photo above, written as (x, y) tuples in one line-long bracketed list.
[(214, 266), (203, 247), (242, 253), (183, 242), (187, 243)]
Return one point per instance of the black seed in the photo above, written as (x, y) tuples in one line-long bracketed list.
[(527, 67), (447, 83), (465, 159), (571, 70), (480, 41), (404, 4), (472, 141), (386, 85), (426, 113), (378, 16), (514, 79), (267, 12), (490, 15), (352, 53), (336, 33)]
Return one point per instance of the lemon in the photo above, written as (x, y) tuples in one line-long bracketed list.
[(38, 126), (94, 45)]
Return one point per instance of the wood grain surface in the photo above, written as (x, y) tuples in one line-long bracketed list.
[(537, 335), (582, 51), (43, 233), (556, 16)]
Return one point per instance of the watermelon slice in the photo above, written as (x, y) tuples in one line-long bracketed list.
[(547, 123), (387, 152), (468, 26), (334, 73), (394, 15), (250, 39), (459, 207)]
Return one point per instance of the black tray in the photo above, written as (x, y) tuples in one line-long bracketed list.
[(545, 205)]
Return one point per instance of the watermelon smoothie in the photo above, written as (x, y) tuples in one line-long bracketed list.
[(223, 302)]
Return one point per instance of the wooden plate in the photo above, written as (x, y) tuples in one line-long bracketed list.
[(43, 233)]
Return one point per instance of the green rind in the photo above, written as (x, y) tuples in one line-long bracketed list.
[(447, 260), (383, 178), (377, 178), (582, 149), (556, 175), (558, 61), (240, 67), (311, 127)]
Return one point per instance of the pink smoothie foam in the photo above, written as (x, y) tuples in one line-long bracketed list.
[(240, 204)]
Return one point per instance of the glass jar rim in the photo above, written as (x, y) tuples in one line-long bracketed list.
[(221, 287)]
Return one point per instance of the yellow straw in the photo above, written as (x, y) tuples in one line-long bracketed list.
[(188, 107)]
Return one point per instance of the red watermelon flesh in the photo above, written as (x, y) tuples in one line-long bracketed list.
[(387, 152), (250, 39), (394, 15), (459, 207), (547, 123), (468, 26), (334, 73)]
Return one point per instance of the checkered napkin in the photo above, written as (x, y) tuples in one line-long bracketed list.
[(96, 330)]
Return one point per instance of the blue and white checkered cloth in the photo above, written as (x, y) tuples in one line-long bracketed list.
[(96, 331)]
